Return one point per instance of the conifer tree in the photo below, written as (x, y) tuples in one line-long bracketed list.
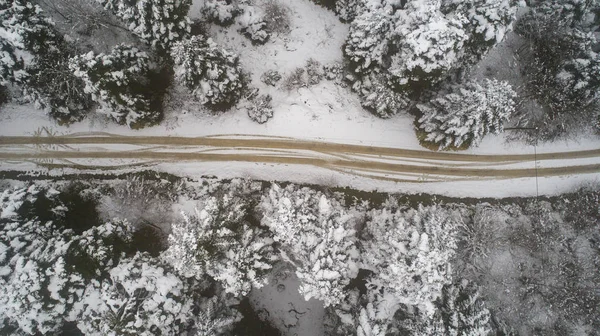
[(409, 252), (467, 114), (216, 241), (158, 22), (117, 82), (212, 74), (316, 236)]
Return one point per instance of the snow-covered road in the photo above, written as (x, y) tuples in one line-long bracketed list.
[(382, 163)]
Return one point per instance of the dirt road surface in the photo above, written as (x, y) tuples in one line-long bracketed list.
[(375, 162)]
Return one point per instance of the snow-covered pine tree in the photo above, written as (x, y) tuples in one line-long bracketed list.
[(95, 251), (582, 14), (377, 96), (409, 252), (214, 317), (460, 312), (222, 12), (254, 26), (24, 27), (347, 10), (467, 114), (44, 267), (366, 314), (50, 84), (316, 236), (429, 45), (36, 291), (217, 242), (369, 323), (564, 68), (158, 22), (117, 83), (40, 68), (579, 78), (489, 21), (140, 297), (368, 40), (212, 74), (11, 65)]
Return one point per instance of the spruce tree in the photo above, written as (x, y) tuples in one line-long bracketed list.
[(467, 114), (158, 22), (316, 236), (212, 74), (118, 83)]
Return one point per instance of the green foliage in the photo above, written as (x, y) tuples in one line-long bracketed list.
[(119, 83), (53, 86), (158, 22), (212, 74), (467, 114), (29, 29), (44, 76)]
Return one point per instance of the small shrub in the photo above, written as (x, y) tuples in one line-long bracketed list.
[(270, 77), (261, 110), (378, 98), (295, 80), (221, 12), (254, 26), (347, 10), (334, 72), (314, 72)]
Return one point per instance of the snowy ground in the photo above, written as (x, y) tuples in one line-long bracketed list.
[(280, 303)]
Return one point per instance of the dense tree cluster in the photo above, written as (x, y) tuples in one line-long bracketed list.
[(316, 236), (413, 45), (216, 241), (158, 22), (421, 41), (467, 114), (564, 67), (35, 58), (385, 270), (50, 275)]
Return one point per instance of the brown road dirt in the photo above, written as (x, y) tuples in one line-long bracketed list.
[(336, 161), (290, 144)]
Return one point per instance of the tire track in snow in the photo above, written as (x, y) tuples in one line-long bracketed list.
[(368, 161)]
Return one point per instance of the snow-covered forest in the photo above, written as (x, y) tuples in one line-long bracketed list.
[(150, 254), (215, 167), (135, 62)]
